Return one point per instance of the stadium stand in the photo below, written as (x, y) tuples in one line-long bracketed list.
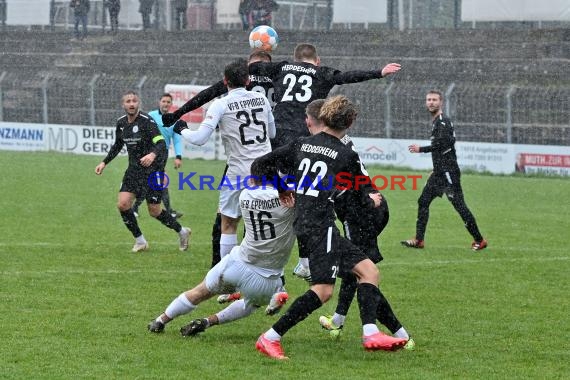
[(49, 78)]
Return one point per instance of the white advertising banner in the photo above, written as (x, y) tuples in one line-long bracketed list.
[(515, 10), (22, 136), (181, 93), (347, 11), (96, 141), (479, 157), (227, 12)]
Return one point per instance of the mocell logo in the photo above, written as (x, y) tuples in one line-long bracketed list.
[(374, 153)]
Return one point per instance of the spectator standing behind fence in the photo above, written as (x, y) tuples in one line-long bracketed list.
[(245, 13), (145, 10), (80, 11), (261, 12), (180, 7), (114, 7)]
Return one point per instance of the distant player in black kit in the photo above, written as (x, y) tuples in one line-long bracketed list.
[(314, 162), (446, 176), (147, 157), (299, 83)]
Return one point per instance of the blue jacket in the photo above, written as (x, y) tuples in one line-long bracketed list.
[(168, 133)]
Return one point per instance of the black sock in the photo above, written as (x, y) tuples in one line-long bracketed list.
[(346, 294), (216, 235), (386, 316), (131, 222), (368, 297), (137, 204), (170, 222), (299, 310), (474, 231), (166, 200)]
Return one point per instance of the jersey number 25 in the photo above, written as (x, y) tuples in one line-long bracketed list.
[(247, 120)]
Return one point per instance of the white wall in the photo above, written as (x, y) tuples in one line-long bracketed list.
[(515, 10)]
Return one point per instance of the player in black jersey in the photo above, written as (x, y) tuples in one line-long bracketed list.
[(147, 157), (315, 162), (362, 224), (299, 83), (256, 83), (294, 84), (446, 176)]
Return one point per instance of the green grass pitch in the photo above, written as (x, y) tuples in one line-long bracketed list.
[(75, 301)]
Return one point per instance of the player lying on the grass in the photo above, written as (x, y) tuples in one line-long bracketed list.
[(315, 162), (147, 157), (362, 224), (254, 267)]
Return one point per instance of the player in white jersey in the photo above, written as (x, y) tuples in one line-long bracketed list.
[(246, 125), (253, 268)]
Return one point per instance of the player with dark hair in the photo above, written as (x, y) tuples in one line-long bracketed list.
[(147, 158), (445, 178), (246, 125), (315, 162), (256, 83), (362, 224)]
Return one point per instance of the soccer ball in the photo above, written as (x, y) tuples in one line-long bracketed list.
[(263, 37)]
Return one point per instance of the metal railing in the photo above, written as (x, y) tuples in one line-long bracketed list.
[(502, 114)]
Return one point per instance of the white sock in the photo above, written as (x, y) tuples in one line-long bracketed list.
[(304, 261), (140, 240), (235, 310), (369, 329), (272, 335), (227, 242), (180, 305), (402, 333), (338, 319)]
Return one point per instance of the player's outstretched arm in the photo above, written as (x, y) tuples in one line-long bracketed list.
[(356, 76), (390, 68), (199, 100)]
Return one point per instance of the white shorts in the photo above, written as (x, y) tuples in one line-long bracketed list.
[(229, 203), (233, 275)]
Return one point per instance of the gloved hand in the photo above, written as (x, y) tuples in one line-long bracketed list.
[(179, 126), (170, 118)]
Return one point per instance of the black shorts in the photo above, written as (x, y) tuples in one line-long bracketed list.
[(330, 255), (142, 184), (448, 183), (365, 238)]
